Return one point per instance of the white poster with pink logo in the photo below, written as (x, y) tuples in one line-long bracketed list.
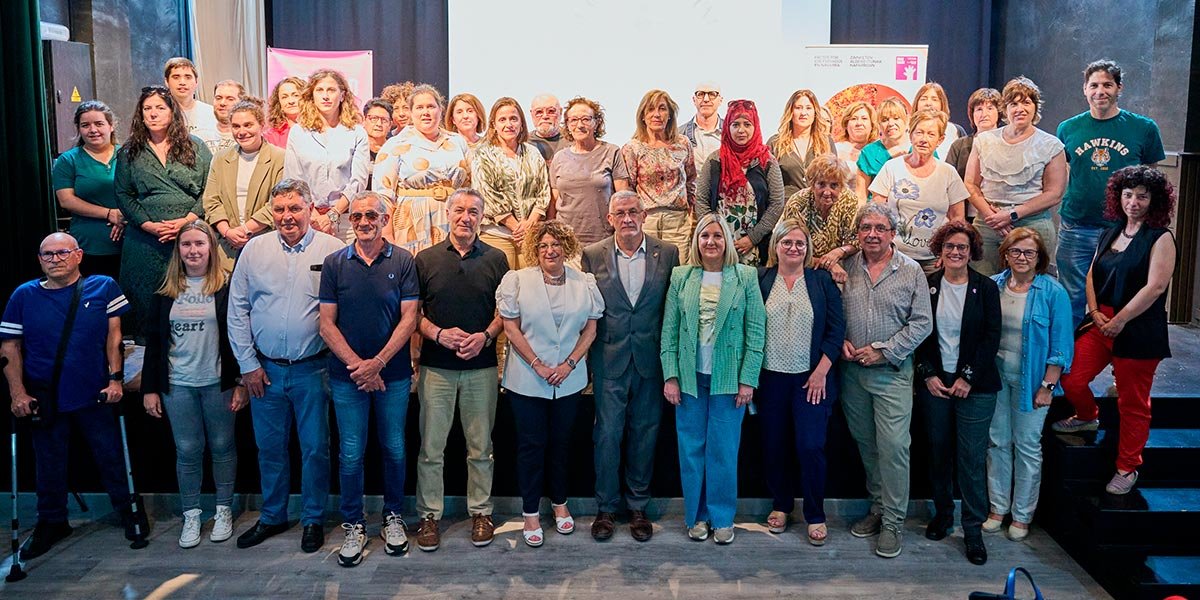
[(356, 65), (844, 73)]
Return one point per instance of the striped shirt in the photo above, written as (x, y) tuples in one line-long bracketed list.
[(892, 314)]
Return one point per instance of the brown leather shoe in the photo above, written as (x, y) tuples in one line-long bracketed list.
[(603, 526), (428, 538), (639, 526), (482, 530)]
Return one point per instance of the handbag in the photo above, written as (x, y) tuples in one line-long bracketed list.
[(47, 394), (1010, 588)]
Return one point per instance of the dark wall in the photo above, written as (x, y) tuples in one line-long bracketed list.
[(410, 38), (1051, 41)]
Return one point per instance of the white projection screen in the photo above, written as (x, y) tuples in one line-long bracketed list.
[(613, 51)]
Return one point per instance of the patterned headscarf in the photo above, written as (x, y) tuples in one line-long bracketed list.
[(735, 158)]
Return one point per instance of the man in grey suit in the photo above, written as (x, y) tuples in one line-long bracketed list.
[(633, 271)]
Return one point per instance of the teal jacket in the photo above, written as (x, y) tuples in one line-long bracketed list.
[(741, 330)]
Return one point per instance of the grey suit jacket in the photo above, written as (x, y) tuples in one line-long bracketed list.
[(627, 333)]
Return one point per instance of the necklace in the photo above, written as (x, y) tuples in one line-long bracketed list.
[(1017, 286), (554, 279), (1129, 236)]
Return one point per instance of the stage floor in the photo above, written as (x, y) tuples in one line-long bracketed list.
[(95, 562)]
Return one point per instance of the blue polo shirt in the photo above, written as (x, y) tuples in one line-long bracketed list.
[(368, 301), (35, 315)]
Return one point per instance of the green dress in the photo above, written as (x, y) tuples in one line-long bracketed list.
[(147, 190)]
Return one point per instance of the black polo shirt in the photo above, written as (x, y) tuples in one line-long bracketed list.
[(459, 291), (368, 301)]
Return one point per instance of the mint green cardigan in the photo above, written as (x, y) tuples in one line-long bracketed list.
[(741, 330)]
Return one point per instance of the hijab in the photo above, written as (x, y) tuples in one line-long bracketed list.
[(735, 159)]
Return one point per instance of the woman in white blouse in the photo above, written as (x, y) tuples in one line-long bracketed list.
[(328, 149), (549, 311), (1015, 175)]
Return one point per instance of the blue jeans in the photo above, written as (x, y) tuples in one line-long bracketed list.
[(352, 408), (201, 416), (1014, 456), (1076, 248), (297, 390), (709, 428)]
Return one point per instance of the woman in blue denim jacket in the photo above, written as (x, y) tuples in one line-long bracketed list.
[(1036, 346)]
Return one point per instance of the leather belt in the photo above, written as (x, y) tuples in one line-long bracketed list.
[(287, 362)]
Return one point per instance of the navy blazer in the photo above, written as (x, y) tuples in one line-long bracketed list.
[(829, 325), (979, 340), (158, 344)]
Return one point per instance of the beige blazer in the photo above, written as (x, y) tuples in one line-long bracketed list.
[(220, 193)]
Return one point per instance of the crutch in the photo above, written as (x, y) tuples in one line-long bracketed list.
[(137, 511), (15, 573)]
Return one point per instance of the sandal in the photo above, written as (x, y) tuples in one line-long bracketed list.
[(777, 521), (564, 525), (533, 537), (817, 534)]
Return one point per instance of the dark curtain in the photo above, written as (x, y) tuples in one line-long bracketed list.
[(410, 38), (26, 202), (958, 34)]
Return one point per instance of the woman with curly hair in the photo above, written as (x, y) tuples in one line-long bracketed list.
[(283, 108), (803, 135), (329, 149), (549, 311), (397, 95), (159, 180), (1126, 322), (584, 175)]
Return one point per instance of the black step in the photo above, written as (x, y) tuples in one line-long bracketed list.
[(1167, 411), (1171, 457), (1145, 516), (1169, 575)]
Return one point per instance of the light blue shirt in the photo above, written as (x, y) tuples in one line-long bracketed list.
[(273, 296), (632, 270), (333, 163), (1047, 336)]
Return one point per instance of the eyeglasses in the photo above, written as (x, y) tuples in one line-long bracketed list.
[(546, 112), (1018, 253), (370, 215), (706, 95), (580, 120), (542, 247), (797, 244), (378, 119), (53, 256), (621, 214), (875, 228), (956, 247)]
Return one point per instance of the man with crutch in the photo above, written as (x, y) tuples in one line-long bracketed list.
[(61, 336)]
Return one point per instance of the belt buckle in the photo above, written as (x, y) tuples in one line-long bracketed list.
[(440, 193)]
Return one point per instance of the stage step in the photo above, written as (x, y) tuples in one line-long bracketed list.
[(1169, 575), (1170, 458), (1145, 517), (1167, 411)]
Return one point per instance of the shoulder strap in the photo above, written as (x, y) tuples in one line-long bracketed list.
[(68, 325)]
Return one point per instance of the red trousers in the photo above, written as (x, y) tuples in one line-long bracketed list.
[(1093, 352)]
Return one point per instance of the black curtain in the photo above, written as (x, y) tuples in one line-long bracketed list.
[(26, 202), (410, 38), (958, 34)]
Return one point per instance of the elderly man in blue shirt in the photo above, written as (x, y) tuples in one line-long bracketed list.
[(274, 333)]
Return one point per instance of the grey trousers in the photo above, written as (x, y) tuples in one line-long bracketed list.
[(878, 404), (628, 411)]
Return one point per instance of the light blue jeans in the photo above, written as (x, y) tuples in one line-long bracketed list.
[(709, 428), (296, 391), (1076, 248), (200, 416), (354, 409), (1014, 456)]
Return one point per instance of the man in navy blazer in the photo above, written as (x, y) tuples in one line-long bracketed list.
[(633, 272)]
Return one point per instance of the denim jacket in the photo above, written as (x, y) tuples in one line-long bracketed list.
[(1047, 337)]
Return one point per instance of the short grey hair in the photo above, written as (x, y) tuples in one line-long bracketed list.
[(875, 208), (465, 191), (626, 195), (293, 186), (381, 204)]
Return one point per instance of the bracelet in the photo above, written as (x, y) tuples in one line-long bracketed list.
[(536, 360), (437, 339), (380, 361)]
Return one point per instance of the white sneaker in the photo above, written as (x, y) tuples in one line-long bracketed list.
[(395, 539), (352, 548), (222, 524), (190, 536)]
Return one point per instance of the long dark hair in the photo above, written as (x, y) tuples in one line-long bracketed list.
[(182, 151)]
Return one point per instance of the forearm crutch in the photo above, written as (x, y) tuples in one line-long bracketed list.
[(135, 501), (15, 573)]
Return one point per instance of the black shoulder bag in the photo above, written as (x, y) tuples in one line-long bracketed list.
[(48, 398)]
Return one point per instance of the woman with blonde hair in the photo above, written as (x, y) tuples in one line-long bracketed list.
[(892, 142), (859, 128), (803, 134), (932, 96), (283, 108), (662, 170), (329, 149), (191, 375)]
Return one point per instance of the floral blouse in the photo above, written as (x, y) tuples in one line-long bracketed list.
[(663, 177), (829, 232), (517, 186)]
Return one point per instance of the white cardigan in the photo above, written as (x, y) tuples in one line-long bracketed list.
[(523, 294), (333, 162)]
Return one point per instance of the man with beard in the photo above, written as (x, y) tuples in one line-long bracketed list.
[(225, 94), (546, 135)]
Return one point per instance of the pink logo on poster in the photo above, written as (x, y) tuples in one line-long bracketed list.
[(906, 68)]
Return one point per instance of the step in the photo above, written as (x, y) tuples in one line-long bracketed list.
[(1169, 575), (1171, 457), (1166, 410), (1144, 517)]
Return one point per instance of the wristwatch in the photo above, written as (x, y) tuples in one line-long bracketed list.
[(1014, 216), (118, 376), (571, 362), (487, 338), (1049, 385), (334, 215)]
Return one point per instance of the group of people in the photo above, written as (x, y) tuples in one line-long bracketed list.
[(305, 251)]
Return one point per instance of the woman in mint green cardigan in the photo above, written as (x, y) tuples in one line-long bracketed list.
[(712, 351)]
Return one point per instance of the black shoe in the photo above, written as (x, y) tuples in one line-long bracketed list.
[(976, 551), (639, 526), (603, 526), (313, 538), (259, 534), (940, 527), (136, 525), (45, 535)]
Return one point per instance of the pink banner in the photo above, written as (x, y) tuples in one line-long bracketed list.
[(356, 65)]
